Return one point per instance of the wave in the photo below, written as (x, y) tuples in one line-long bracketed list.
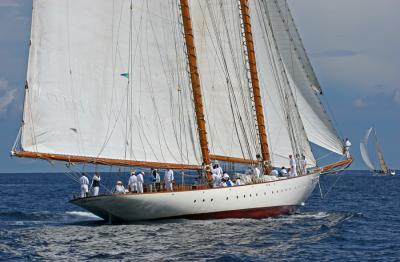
[(45, 217)]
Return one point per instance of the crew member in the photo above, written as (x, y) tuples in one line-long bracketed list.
[(84, 181), (156, 179), (132, 182), (303, 164), (119, 188), (140, 182), (274, 172), (256, 172), (283, 172), (169, 179), (292, 163), (347, 145), (96, 184)]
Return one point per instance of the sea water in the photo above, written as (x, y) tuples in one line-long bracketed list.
[(358, 220)]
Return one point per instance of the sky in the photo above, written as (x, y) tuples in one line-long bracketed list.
[(353, 46)]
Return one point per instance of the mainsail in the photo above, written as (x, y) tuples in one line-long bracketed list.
[(364, 151), (109, 79), (231, 127)]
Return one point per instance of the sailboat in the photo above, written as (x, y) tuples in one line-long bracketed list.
[(171, 84), (384, 170)]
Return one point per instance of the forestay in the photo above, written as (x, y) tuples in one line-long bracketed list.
[(305, 86), (230, 121), (106, 80)]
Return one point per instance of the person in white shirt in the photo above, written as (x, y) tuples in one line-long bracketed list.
[(140, 181), (293, 167), (119, 188), (238, 182), (214, 180), (283, 172), (274, 172), (256, 172), (347, 145), (303, 165), (84, 181), (169, 179), (132, 182), (217, 170), (96, 184)]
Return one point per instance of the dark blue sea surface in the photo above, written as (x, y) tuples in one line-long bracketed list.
[(358, 220)]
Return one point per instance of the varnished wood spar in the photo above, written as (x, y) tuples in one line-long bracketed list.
[(255, 83), (233, 159), (345, 162), (103, 161), (194, 77)]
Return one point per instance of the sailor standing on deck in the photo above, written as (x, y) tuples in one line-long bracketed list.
[(347, 145), (217, 170), (256, 172), (169, 179), (293, 167), (84, 181), (132, 182), (140, 182), (303, 165), (96, 184)]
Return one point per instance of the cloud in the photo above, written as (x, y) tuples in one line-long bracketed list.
[(5, 101), (396, 97), (335, 53), (3, 84), (9, 3), (359, 103)]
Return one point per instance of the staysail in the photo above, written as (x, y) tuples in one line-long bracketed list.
[(283, 122), (364, 151), (109, 79), (306, 89)]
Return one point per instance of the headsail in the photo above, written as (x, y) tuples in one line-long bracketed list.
[(306, 89), (364, 151), (77, 103)]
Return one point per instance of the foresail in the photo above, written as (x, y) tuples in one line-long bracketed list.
[(111, 81), (364, 150), (316, 122), (231, 126), (284, 126)]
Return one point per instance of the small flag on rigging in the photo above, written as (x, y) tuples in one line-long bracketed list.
[(125, 75)]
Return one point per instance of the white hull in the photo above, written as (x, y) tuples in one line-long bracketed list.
[(253, 201)]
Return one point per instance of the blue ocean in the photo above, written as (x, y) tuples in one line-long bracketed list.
[(356, 220)]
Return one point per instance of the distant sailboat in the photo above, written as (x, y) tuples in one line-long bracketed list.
[(169, 84), (384, 170)]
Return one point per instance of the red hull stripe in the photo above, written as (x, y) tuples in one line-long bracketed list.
[(255, 213)]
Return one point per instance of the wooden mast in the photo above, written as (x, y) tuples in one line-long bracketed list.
[(194, 77), (255, 84)]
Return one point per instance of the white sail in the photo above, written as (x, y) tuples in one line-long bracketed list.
[(230, 121), (278, 100), (77, 103), (316, 122), (382, 163), (364, 150)]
